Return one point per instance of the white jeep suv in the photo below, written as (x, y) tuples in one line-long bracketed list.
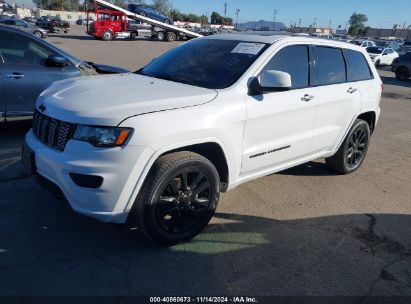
[(159, 145)]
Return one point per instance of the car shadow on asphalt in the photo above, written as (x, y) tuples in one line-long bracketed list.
[(11, 138), (47, 249), (313, 168), (76, 37)]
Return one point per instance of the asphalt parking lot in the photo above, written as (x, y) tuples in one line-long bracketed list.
[(304, 231)]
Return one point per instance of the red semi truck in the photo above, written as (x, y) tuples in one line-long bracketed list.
[(111, 22)]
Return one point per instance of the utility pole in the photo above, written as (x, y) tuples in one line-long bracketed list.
[(329, 25), (275, 14), (315, 22), (237, 11), (225, 9), (299, 22)]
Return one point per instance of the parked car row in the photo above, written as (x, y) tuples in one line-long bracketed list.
[(25, 26), (402, 66), (53, 24)]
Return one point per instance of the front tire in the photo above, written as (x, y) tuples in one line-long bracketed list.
[(178, 198), (107, 36), (353, 150)]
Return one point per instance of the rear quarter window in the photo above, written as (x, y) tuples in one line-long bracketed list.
[(330, 66), (357, 66)]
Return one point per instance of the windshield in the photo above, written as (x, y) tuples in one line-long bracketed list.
[(374, 50), (207, 63)]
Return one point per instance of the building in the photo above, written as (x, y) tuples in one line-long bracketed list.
[(68, 16), (398, 32)]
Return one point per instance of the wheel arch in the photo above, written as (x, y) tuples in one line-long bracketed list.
[(214, 153), (370, 118)]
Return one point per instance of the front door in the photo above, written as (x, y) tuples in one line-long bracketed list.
[(24, 73), (279, 124)]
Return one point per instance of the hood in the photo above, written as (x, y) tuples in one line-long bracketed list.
[(109, 99)]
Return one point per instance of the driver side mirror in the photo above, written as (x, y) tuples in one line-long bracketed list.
[(56, 61), (271, 81)]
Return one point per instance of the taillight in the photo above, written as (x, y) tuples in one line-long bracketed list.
[(382, 87)]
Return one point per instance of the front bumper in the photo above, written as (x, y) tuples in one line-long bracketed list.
[(119, 167)]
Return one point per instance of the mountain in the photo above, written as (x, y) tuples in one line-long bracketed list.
[(262, 25)]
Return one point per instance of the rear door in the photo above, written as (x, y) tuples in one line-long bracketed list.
[(24, 73), (359, 74), (339, 100)]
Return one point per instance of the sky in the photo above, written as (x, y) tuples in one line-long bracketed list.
[(381, 13)]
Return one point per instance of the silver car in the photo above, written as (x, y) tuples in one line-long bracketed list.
[(25, 26)]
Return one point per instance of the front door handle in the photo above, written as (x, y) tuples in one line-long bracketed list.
[(15, 76), (307, 97), (352, 90)]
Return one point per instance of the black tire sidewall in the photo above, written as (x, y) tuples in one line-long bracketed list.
[(160, 36), (153, 228), (171, 37), (402, 73), (358, 124), (111, 36)]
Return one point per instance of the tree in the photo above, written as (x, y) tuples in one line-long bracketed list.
[(162, 6), (357, 23), (216, 18), (57, 4)]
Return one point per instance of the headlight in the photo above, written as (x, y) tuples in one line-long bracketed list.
[(102, 136)]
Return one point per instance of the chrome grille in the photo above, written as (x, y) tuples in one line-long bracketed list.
[(53, 132)]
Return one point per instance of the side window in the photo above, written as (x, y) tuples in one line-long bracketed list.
[(330, 66), (357, 66), (295, 61), (20, 23), (16, 49)]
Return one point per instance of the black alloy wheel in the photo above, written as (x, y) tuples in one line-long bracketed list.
[(353, 150), (183, 201), (356, 148), (178, 198)]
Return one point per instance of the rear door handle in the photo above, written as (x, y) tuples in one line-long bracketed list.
[(15, 76), (307, 97), (352, 90)]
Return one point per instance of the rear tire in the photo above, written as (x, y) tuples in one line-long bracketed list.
[(171, 37), (377, 64), (178, 198), (133, 36), (38, 34), (402, 73), (107, 36), (160, 36), (353, 150)]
